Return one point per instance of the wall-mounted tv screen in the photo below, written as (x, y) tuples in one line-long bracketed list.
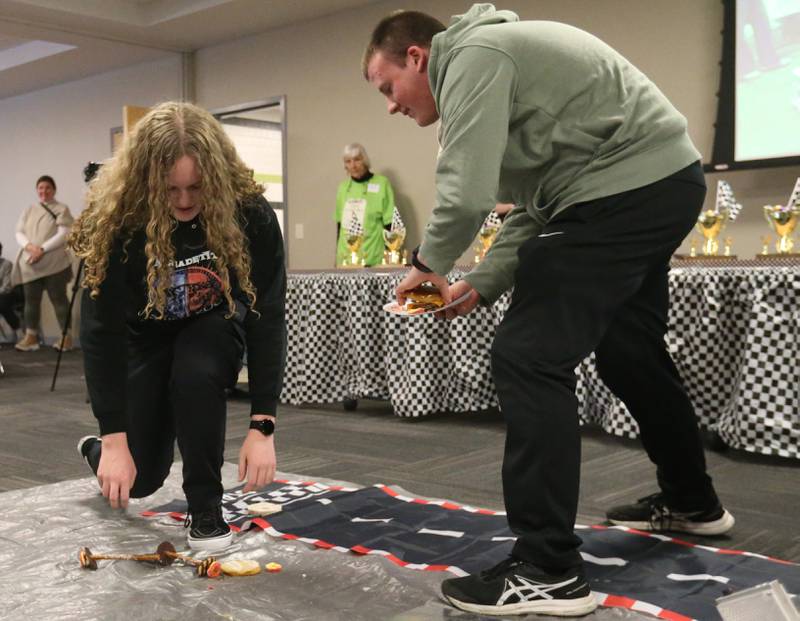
[(758, 119)]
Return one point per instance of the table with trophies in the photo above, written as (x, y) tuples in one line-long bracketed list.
[(734, 332)]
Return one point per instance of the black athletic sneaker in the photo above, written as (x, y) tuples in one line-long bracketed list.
[(515, 587), (208, 530), (89, 448), (652, 513)]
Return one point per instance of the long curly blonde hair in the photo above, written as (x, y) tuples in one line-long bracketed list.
[(129, 194)]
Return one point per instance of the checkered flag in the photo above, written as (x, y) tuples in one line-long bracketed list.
[(726, 202), (354, 226), (492, 221), (794, 199), (397, 222)]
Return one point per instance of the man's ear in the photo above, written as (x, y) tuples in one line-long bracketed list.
[(417, 57)]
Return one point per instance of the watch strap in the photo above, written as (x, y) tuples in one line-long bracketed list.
[(419, 264), (265, 426)]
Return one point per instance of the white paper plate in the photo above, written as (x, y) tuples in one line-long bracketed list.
[(396, 309)]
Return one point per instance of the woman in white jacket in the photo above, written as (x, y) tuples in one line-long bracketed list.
[(43, 263)]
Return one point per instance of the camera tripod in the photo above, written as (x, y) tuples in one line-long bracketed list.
[(67, 321)]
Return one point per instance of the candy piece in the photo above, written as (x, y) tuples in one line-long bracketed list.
[(263, 508), (241, 568), (214, 570), (273, 568), (201, 567), (166, 553)]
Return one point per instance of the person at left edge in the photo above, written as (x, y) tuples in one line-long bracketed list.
[(184, 267)]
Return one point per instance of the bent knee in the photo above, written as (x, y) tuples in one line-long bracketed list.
[(149, 481), (145, 487)]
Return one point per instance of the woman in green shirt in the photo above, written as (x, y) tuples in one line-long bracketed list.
[(364, 205)]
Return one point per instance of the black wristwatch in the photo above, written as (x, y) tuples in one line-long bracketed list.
[(419, 264), (265, 426)]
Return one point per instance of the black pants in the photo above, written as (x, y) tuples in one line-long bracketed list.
[(177, 379), (595, 279), (8, 302)]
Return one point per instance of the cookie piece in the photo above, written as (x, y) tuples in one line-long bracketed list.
[(263, 508), (240, 568)]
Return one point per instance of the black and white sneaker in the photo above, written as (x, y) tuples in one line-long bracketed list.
[(652, 513), (89, 448), (515, 587), (208, 530)]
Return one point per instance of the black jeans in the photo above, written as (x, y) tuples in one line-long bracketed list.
[(8, 303), (595, 279), (177, 377)]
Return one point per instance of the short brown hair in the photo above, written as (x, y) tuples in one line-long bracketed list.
[(46, 179), (395, 33)]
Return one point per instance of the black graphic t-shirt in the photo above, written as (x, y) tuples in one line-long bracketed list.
[(196, 286), (194, 290), (109, 322)]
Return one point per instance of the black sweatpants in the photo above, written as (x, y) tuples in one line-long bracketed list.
[(595, 279), (177, 378)]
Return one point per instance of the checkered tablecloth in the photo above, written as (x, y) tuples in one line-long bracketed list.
[(734, 334)]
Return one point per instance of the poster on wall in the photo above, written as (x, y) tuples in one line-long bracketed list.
[(259, 144)]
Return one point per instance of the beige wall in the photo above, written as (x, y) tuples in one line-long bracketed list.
[(316, 64), (56, 131)]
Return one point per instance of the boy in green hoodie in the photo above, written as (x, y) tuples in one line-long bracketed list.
[(607, 183)]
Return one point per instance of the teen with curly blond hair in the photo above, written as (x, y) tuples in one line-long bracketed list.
[(184, 267)]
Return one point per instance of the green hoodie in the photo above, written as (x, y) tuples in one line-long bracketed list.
[(543, 115)]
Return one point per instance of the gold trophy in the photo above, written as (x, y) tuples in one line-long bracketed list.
[(486, 237), (710, 224), (783, 220), (354, 246), (728, 246), (765, 240), (394, 241)]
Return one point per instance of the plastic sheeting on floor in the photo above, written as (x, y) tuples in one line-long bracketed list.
[(650, 573), (42, 529)]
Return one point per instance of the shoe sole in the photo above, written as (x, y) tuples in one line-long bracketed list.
[(215, 544), (716, 527), (26, 348), (80, 446), (557, 608)]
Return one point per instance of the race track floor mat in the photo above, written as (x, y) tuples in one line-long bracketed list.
[(662, 576), (369, 554)]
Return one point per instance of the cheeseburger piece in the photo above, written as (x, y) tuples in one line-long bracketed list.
[(425, 297)]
